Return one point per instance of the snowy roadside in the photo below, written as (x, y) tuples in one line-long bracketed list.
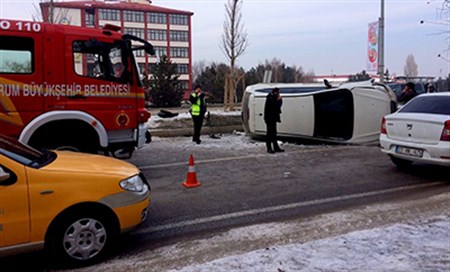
[(412, 235), (414, 246), (216, 121)]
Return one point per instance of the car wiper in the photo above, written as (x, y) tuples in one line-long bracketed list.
[(42, 160)]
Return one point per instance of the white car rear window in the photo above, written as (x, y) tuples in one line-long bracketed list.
[(428, 104)]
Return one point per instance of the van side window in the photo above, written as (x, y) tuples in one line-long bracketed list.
[(99, 60), (16, 55)]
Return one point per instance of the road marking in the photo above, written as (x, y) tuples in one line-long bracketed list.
[(280, 208), (261, 155)]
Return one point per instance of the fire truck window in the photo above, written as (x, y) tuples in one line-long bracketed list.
[(16, 55), (97, 59), (118, 68)]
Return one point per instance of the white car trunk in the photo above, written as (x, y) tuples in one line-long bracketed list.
[(415, 127)]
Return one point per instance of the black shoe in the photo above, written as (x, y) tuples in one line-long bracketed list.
[(270, 151), (198, 141), (279, 150)]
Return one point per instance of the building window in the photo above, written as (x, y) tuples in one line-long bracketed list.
[(179, 52), (160, 50), (157, 18), (178, 19), (182, 69), (157, 34), (183, 84), (133, 16), (90, 18), (16, 55), (139, 53), (109, 14), (179, 36), (138, 32)]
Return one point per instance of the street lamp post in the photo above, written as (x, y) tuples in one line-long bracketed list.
[(381, 43)]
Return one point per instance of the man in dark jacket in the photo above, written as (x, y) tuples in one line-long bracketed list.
[(272, 111), (198, 110), (407, 93)]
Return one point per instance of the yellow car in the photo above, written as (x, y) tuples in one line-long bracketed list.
[(72, 204)]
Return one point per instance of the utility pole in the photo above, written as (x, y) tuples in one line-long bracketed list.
[(381, 44), (51, 9)]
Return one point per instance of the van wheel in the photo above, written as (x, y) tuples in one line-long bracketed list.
[(80, 240), (400, 163)]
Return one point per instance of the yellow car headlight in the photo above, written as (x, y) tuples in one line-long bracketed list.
[(134, 184)]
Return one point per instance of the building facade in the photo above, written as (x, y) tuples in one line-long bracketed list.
[(168, 30)]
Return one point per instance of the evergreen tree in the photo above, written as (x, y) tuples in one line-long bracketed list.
[(165, 90), (212, 80)]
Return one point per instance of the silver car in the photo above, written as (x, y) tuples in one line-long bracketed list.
[(419, 131)]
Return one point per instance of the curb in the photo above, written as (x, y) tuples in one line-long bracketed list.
[(178, 132)]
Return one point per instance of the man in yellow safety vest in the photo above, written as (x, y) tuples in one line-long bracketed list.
[(198, 110)]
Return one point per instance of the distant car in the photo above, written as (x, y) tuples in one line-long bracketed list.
[(69, 203), (419, 131), (350, 113)]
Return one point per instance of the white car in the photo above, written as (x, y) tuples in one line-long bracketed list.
[(348, 114), (419, 131)]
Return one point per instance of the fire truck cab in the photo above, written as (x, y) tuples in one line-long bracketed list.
[(73, 88)]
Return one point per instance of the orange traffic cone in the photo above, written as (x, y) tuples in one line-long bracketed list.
[(191, 179)]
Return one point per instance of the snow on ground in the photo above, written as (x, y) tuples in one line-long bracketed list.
[(155, 121), (414, 246), (422, 244)]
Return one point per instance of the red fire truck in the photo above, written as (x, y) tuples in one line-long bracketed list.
[(69, 87)]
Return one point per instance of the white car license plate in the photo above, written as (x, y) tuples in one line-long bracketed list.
[(409, 151)]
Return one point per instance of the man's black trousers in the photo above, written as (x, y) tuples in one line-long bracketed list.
[(198, 122), (271, 136)]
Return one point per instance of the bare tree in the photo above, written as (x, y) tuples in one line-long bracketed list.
[(198, 68), (234, 44), (442, 20), (234, 38), (277, 69), (411, 69)]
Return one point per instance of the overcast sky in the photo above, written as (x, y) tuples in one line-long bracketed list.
[(323, 36)]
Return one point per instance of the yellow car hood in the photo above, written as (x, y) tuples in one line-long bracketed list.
[(67, 161)]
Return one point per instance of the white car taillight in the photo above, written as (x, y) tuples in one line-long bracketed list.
[(383, 126), (445, 136)]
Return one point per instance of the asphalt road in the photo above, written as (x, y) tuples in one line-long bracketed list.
[(243, 185), (247, 186)]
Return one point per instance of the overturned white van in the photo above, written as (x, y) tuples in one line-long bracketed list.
[(350, 113)]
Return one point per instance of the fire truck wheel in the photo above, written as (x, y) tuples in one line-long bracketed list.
[(72, 135)]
